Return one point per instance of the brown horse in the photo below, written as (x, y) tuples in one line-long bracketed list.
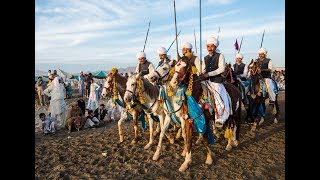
[(257, 96), (115, 85), (234, 120)]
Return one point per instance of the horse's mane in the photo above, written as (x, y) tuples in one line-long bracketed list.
[(150, 89)]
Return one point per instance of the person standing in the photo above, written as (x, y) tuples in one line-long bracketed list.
[(57, 105), (41, 86), (93, 97), (81, 84)]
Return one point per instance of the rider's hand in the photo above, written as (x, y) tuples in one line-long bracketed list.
[(205, 75)]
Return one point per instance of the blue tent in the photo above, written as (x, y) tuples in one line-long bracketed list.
[(100, 75)]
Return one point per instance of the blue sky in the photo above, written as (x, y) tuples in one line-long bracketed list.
[(92, 35)]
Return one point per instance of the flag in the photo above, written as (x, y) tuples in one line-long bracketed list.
[(236, 46)]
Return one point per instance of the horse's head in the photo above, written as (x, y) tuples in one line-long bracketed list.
[(253, 69), (108, 85), (181, 70), (161, 73), (132, 87)]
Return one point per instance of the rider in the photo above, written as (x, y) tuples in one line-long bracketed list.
[(163, 56), (213, 65), (144, 66), (265, 65), (187, 51), (240, 69)]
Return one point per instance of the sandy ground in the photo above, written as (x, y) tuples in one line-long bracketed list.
[(258, 156)]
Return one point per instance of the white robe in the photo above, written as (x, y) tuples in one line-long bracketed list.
[(93, 97), (58, 105)]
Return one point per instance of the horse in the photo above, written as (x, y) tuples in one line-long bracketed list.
[(115, 85), (176, 108), (140, 92), (229, 76), (232, 125), (257, 95)]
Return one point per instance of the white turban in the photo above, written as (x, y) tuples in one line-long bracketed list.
[(187, 45), (213, 41), (140, 55), (262, 51), (239, 56), (162, 50)]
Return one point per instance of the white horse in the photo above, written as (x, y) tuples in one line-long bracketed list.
[(179, 110), (140, 92)]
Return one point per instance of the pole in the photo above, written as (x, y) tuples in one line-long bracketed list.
[(218, 33), (173, 41), (200, 43), (175, 23), (146, 38), (240, 45), (262, 39)]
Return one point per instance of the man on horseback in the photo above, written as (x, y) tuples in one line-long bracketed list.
[(265, 65), (187, 51), (144, 65), (240, 69), (163, 56), (213, 65)]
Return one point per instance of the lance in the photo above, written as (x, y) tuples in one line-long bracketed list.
[(262, 39), (240, 45), (175, 23), (173, 41), (200, 43), (146, 38), (218, 33), (195, 40)]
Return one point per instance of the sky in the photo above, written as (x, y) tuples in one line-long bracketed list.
[(92, 35)]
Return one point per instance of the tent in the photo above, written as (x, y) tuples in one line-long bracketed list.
[(100, 75)]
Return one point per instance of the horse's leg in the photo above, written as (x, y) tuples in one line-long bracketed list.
[(157, 131), (161, 118), (123, 117), (178, 135), (209, 159), (184, 135), (200, 138), (135, 126), (207, 117), (151, 132), (163, 130), (188, 134), (277, 109)]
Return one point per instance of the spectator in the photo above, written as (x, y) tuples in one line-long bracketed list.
[(93, 97), (41, 86), (91, 120), (57, 105), (100, 112), (47, 125)]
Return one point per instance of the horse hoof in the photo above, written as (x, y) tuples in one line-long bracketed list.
[(147, 146), (134, 141), (171, 141), (234, 143), (261, 121), (155, 156), (183, 167), (275, 121), (209, 160), (229, 147)]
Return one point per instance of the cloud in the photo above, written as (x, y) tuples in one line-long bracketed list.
[(220, 2)]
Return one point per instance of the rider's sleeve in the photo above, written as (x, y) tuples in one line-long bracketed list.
[(137, 69), (222, 66), (151, 67), (197, 64), (270, 65), (245, 72)]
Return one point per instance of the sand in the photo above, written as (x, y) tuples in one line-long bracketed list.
[(78, 155)]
